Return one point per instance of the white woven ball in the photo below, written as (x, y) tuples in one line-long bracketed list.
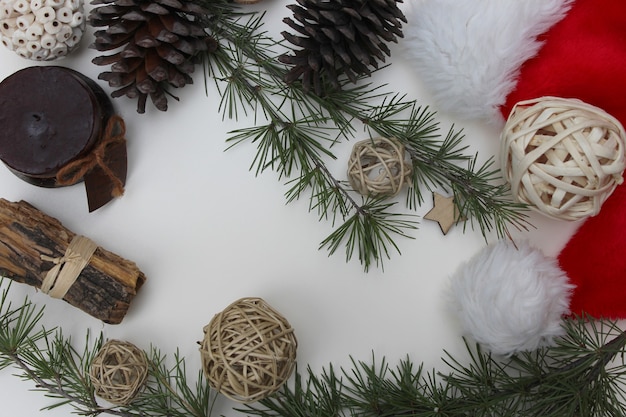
[(562, 157), (41, 30)]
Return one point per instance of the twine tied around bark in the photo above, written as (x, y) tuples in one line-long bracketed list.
[(75, 170), (248, 351), (68, 267), (118, 372)]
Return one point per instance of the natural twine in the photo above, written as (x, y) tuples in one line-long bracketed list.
[(74, 171), (563, 157), (248, 351), (118, 372), (378, 167), (60, 278)]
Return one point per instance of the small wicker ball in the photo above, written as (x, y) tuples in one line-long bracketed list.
[(248, 351), (118, 372), (562, 157), (379, 167)]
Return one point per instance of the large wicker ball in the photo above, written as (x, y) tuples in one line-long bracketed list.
[(562, 157), (379, 167), (118, 372), (248, 351)]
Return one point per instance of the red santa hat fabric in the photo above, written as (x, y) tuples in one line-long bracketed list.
[(584, 56), (478, 58)]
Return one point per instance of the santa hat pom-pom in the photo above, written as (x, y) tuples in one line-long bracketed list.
[(511, 298)]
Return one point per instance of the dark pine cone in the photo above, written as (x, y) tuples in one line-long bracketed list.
[(157, 43), (339, 37)]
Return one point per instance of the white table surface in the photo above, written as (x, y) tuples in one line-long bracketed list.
[(206, 232)]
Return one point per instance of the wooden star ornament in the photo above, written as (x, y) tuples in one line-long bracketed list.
[(444, 212)]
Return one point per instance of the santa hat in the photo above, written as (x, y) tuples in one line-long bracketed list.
[(479, 59)]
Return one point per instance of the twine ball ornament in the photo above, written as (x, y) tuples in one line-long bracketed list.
[(562, 157), (248, 351), (118, 372), (42, 30), (379, 167)]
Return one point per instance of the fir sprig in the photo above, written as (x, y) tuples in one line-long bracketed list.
[(49, 359), (17, 327), (370, 231), (583, 375), (169, 388), (295, 131)]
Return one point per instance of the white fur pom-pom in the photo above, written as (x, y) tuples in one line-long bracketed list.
[(468, 52), (511, 299)]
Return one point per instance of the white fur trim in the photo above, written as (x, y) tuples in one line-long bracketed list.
[(468, 53), (511, 299)]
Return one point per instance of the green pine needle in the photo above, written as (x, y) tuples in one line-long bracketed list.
[(370, 232), (295, 132), (567, 380), (583, 374), (50, 360)]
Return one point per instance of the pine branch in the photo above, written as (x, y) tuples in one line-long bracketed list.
[(49, 359), (370, 232), (295, 132), (17, 327), (569, 379), (168, 390), (584, 374)]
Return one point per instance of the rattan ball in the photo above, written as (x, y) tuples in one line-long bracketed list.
[(379, 167), (248, 351), (562, 157), (118, 372)]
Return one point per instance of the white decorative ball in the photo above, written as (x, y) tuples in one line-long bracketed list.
[(41, 30), (562, 157), (510, 298)]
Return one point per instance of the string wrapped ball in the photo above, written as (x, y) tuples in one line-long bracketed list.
[(248, 351), (118, 372), (379, 167), (562, 157)]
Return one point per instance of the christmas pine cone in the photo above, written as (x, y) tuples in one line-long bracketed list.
[(339, 37), (156, 45)]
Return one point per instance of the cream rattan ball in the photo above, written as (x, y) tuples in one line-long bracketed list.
[(379, 167), (248, 351), (562, 157), (118, 372)]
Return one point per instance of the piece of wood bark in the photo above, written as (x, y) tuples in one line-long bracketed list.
[(104, 288)]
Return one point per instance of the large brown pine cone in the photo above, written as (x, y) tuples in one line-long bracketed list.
[(339, 37), (156, 41)]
